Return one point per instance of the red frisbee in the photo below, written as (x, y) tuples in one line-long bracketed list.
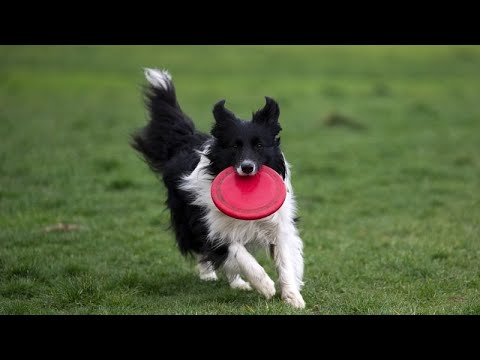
[(248, 197)]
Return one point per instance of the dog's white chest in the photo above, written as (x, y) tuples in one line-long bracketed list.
[(225, 229)]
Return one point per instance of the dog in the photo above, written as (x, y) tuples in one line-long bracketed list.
[(188, 160)]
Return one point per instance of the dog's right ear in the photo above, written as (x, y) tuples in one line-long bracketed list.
[(221, 114)]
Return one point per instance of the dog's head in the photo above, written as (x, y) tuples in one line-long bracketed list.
[(247, 145)]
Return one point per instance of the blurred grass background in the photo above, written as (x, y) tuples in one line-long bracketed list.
[(383, 140)]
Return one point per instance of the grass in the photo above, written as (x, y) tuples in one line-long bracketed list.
[(390, 209)]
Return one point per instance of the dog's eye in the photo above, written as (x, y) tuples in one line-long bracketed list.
[(259, 146), (236, 145)]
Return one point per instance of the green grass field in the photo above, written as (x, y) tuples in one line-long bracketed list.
[(389, 199)]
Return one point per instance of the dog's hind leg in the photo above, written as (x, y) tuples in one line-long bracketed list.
[(205, 270)]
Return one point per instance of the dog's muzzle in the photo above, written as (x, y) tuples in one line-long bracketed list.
[(246, 168)]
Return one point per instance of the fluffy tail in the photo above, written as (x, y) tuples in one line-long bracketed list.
[(169, 131)]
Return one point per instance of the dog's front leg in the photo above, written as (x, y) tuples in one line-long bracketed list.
[(239, 260), (288, 256)]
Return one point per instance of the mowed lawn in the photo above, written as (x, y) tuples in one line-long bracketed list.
[(384, 144)]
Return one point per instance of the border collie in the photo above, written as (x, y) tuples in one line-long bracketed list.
[(188, 160)]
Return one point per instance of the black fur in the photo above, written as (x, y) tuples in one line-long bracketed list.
[(169, 143)]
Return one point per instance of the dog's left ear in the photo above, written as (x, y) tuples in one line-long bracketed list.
[(269, 114)]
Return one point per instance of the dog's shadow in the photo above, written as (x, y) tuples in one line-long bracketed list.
[(189, 286)]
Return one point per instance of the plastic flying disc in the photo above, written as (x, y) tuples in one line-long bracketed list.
[(248, 197)]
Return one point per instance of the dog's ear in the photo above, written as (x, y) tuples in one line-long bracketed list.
[(268, 115), (221, 114), (224, 119)]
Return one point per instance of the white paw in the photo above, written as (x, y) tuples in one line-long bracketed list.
[(293, 298), (238, 283), (266, 287), (211, 276), (206, 272)]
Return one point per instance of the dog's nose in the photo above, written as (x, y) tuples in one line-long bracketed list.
[(247, 168)]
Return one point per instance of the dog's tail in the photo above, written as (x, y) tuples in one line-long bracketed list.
[(169, 131)]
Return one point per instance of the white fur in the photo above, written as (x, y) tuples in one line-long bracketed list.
[(158, 78), (236, 282), (241, 261), (277, 229), (206, 272)]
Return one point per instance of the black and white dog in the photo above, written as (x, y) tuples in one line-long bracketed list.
[(189, 160)]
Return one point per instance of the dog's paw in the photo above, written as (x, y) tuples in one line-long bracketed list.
[(266, 287), (239, 283), (293, 298), (210, 276), (206, 273)]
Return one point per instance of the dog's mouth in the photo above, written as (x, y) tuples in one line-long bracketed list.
[(241, 173)]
